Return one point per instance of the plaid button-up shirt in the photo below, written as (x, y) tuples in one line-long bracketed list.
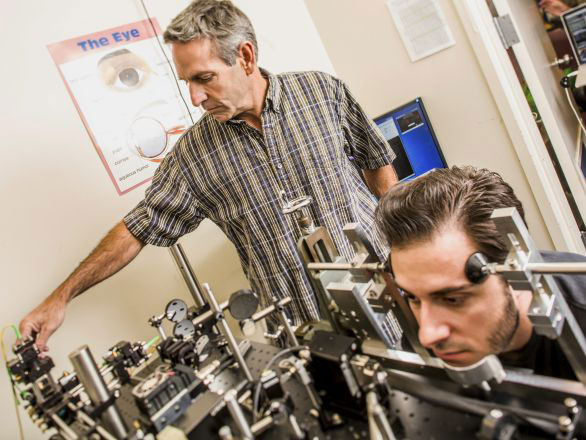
[(315, 139)]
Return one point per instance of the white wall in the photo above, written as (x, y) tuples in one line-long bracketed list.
[(367, 52), (57, 199)]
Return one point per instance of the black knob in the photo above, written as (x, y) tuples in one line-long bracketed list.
[(477, 268), (242, 304)]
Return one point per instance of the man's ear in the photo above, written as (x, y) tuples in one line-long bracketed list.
[(247, 57)]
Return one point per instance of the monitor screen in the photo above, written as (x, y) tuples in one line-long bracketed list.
[(575, 25), (411, 137)]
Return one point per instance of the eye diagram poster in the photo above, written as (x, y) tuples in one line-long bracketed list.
[(127, 98)]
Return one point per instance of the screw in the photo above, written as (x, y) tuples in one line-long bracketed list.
[(571, 405), (565, 424), (496, 413), (225, 432), (304, 354)]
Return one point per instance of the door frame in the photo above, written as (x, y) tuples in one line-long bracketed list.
[(519, 121)]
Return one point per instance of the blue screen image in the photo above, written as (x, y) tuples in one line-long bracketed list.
[(410, 135)]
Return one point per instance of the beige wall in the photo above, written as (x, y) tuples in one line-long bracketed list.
[(367, 53), (57, 199)]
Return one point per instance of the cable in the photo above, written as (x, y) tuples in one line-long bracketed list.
[(575, 111), (151, 342), (256, 398), (168, 61), (565, 83), (12, 384)]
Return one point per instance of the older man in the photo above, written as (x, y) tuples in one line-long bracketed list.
[(264, 139), (433, 225)]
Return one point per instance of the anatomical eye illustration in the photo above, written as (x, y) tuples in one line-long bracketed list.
[(123, 70)]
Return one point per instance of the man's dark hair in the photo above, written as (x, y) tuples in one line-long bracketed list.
[(413, 212)]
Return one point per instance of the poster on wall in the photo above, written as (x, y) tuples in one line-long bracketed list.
[(422, 26), (125, 93)]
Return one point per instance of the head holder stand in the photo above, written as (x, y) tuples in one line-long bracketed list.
[(357, 291), (487, 369), (315, 245), (298, 207), (524, 269)]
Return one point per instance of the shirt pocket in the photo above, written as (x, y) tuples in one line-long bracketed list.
[(219, 189)]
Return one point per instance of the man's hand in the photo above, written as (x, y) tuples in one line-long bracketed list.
[(44, 320), (554, 7), (116, 250)]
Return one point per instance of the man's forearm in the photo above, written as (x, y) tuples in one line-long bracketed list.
[(380, 180), (116, 250)]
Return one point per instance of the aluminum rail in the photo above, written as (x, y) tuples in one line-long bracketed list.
[(188, 275), (548, 268), (89, 375), (375, 267), (223, 324), (206, 316)]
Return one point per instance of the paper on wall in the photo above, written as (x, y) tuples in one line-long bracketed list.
[(422, 26), (127, 98)]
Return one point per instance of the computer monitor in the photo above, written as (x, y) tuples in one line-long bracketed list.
[(574, 22), (409, 133)]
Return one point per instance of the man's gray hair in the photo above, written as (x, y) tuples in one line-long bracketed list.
[(224, 24)]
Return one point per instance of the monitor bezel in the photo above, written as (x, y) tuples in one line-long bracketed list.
[(571, 40), (419, 102)]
